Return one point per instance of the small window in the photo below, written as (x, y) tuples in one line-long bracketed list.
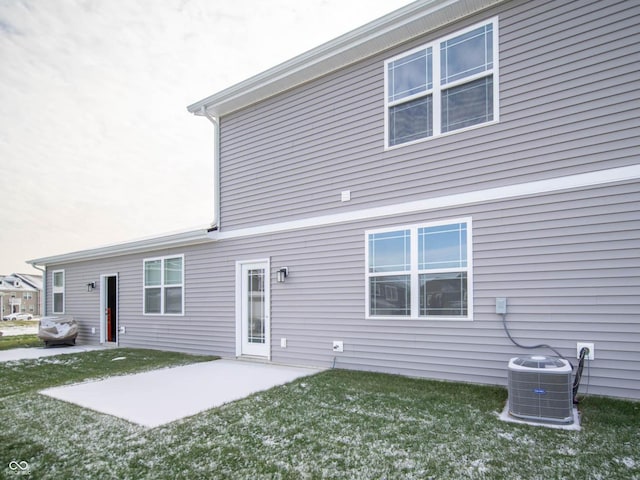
[(422, 271), (447, 85), (58, 291), (164, 286)]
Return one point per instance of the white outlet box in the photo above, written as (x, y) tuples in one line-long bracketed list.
[(338, 346), (283, 343), (590, 346), (93, 330), (345, 195)]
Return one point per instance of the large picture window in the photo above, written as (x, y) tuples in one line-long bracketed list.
[(421, 271), (164, 285), (447, 85), (58, 291)]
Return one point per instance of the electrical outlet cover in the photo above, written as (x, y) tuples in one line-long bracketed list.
[(590, 346)]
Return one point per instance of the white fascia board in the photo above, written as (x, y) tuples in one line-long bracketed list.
[(541, 187), (177, 239), (411, 21)]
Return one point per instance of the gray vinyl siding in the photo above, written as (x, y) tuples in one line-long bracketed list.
[(569, 77), (192, 332), (570, 271), (567, 262)]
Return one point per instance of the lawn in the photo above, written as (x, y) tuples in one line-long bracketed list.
[(28, 339), (337, 425), (19, 341), (19, 323)]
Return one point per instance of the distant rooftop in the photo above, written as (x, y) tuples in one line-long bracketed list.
[(20, 281)]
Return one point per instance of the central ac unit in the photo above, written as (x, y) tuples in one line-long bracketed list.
[(540, 389)]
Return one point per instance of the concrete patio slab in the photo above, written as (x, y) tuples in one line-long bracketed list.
[(161, 396)]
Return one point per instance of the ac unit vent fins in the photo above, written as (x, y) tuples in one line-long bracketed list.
[(540, 389)]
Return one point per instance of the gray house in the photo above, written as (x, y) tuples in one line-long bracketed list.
[(376, 195)]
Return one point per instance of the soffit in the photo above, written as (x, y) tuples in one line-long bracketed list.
[(414, 20)]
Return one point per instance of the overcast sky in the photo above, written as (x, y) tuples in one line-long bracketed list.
[(96, 145)]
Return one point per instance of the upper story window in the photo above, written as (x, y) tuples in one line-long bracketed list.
[(164, 285), (447, 85), (420, 271), (58, 291)]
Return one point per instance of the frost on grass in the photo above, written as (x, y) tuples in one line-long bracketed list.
[(334, 426), (70, 442), (38, 362), (626, 461)]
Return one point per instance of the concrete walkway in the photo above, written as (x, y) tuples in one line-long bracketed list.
[(161, 396)]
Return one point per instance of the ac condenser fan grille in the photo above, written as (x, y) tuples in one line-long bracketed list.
[(541, 390)]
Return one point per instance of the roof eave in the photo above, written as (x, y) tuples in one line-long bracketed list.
[(400, 26), (151, 244)]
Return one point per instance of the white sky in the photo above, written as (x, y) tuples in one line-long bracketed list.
[(96, 145)]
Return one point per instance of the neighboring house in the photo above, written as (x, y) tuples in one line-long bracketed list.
[(20, 293), (375, 195)]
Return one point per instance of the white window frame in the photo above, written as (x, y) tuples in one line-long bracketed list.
[(415, 272), (162, 286), (58, 290), (437, 88)]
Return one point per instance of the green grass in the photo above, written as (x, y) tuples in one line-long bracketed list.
[(24, 376), (334, 425), (19, 341), (19, 323), (8, 342)]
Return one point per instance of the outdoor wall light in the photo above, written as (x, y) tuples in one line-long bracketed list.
[(91, 286), (282, 274)]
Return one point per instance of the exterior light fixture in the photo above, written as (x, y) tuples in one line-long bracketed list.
[(91, 286), (282, 274)]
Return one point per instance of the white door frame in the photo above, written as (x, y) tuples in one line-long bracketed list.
[(103, 305), (241, 265)]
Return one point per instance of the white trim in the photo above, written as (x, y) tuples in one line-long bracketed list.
[(266, 262), (540, 187), (103, 306), (414, 273), (55, 289), (145, 245), (238, 308), (437, 87), (496, 74), (162, 285), (583, 180), (412, 21)]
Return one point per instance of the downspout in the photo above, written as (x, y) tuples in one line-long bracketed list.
[(43, 300), (215, 224)]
